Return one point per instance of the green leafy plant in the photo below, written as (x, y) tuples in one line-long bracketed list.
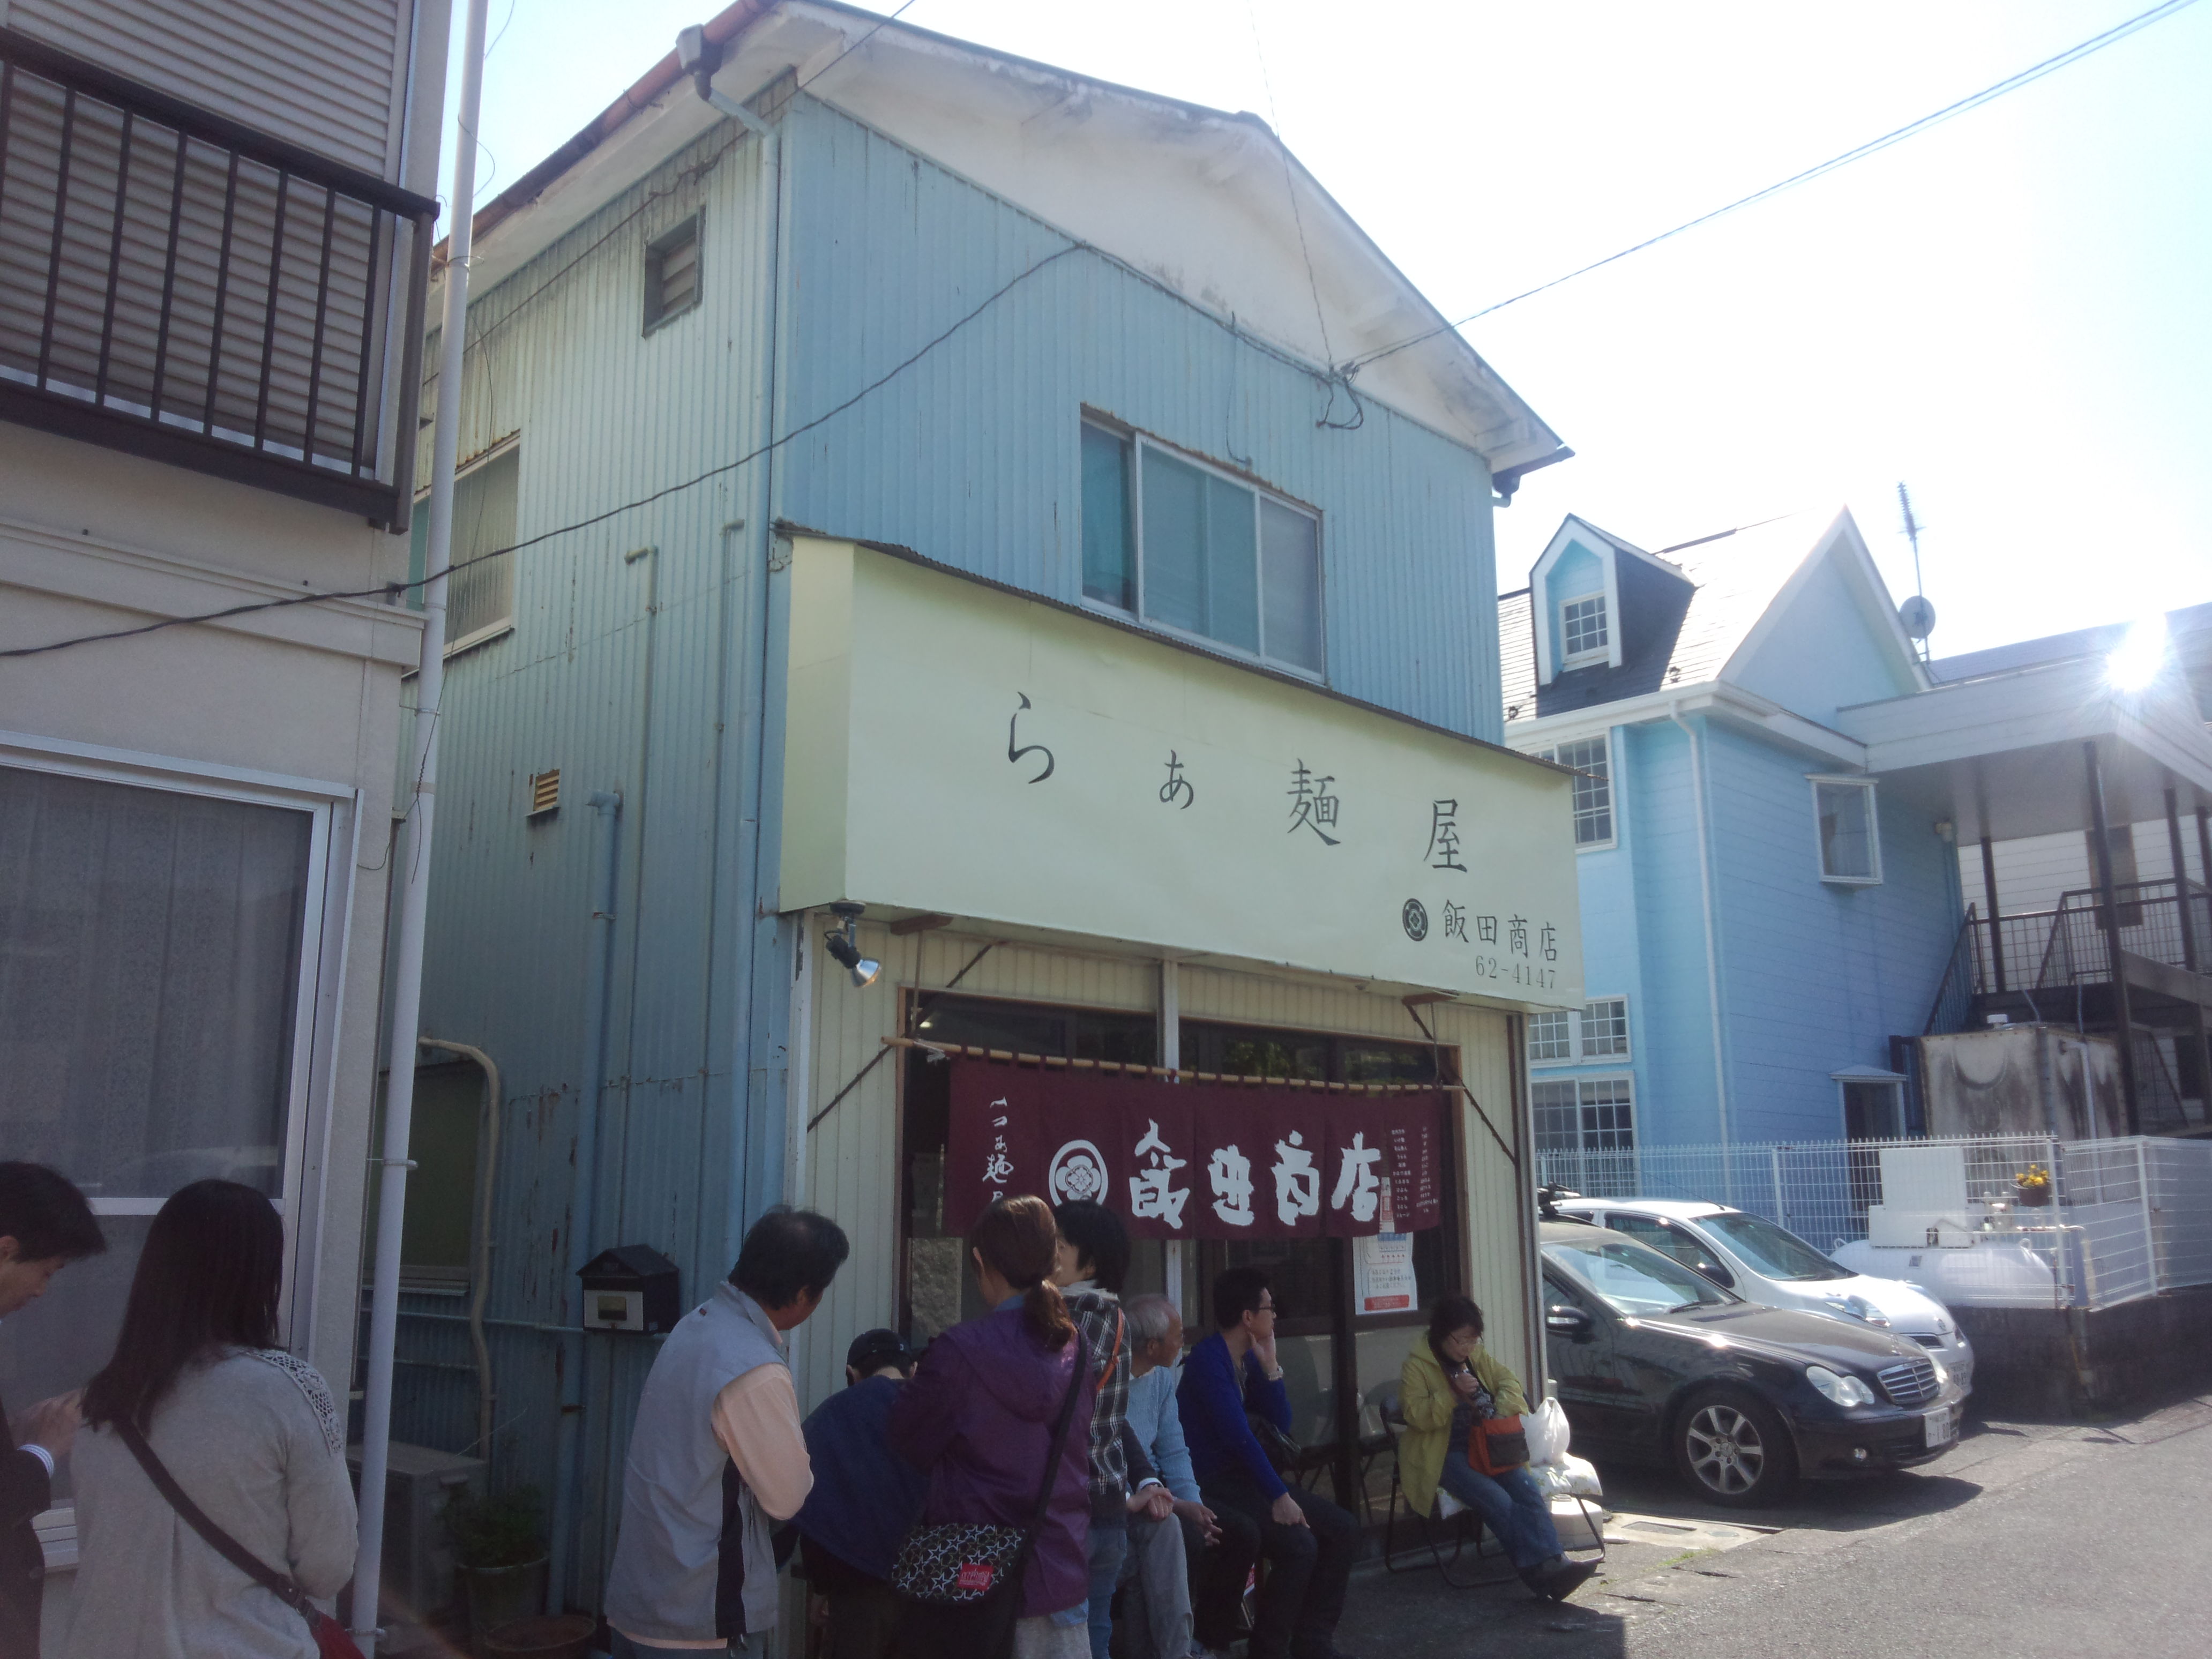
[(507, 1530)]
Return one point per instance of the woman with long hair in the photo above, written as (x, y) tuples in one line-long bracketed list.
[(1449, 1383), (979, 1414), (249, 1434)]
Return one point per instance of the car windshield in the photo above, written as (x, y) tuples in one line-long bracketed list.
[(1771, 1249), (1634, 1280)]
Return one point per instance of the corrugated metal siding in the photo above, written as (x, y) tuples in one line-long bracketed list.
[(326, 74), (889, 249), (632, 675)]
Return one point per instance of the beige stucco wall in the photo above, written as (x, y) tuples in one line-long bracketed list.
[(93, 540)]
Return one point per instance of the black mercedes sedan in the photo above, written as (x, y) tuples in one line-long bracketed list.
[(1656, 1363)]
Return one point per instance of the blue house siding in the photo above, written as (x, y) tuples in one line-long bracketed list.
[(1816, 977), (1677, 1097), (973, 455), (646, 658), (1823, 652)]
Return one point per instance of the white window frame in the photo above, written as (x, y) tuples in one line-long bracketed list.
[(334, 834), (1602, 651), (1626, 1082), (1577, 1036), (1139, 442), (506, 624), (1847, 781), (1551, 752)]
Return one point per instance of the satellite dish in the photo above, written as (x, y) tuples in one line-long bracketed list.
[(1918, 617)]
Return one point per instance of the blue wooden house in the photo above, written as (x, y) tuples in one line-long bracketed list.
[(935, 595), (1772, 798)]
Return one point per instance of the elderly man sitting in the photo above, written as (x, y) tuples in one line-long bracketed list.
[(1180, 1552)]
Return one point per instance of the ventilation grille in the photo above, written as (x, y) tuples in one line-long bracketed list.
[(544, 792)]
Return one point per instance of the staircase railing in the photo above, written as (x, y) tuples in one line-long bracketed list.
[(1954, 994)]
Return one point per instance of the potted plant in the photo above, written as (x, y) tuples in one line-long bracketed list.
[(499, 1551), (2032, 1186)]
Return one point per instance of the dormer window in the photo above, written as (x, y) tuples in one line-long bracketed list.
[(1582, 631)]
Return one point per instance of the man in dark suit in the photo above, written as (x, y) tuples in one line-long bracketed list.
[(45, 1224)]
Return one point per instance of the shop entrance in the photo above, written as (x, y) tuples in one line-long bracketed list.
[(1338, 1347)]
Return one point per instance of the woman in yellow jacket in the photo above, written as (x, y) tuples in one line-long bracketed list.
[(1450, 1383)]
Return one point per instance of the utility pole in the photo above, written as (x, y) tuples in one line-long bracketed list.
[(414, 854)]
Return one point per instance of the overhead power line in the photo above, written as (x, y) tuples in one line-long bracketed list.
[(2034, 72)]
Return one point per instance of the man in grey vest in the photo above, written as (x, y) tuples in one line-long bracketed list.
[(717, 1455)]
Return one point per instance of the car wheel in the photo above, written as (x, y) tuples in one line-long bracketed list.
[(1734, 1449)]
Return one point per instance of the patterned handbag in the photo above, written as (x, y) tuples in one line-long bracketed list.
[(961, 1581)]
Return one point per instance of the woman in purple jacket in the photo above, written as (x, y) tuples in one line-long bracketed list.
[(978, 1418)]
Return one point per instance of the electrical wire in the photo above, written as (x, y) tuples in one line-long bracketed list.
[(390, 589), (2010, 83)]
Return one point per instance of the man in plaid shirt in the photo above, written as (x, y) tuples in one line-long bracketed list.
[(1094, 1258)]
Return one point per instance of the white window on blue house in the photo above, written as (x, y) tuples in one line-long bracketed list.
[(1592, 759), (1584, 635), (1598, 1030), (1188, 548), (1585, 1115), (1851, 842)]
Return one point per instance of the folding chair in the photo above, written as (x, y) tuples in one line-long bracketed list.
[(1461, 1528)]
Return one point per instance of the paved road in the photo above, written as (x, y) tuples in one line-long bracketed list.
[(2030, 1541)]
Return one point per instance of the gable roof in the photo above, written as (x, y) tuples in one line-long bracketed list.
[(1207, 205), (1738, 576)]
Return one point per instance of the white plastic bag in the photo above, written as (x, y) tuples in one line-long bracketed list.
[(1547, 1433), (1580, 1479)]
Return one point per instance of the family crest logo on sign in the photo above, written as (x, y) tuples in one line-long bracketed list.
[(1077, 1174)]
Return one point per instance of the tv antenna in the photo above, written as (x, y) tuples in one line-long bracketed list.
[(1917, 616)]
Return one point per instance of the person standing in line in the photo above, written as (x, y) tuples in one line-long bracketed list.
[(865, 1500), (717, 1451), (1309, 1541), (1448, 1384), (249, 1435), (978, 1418), (1199, 1562), (45, 1224), (1090, 1265)]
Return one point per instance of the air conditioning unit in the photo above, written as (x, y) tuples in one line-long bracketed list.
[(418, 1557)]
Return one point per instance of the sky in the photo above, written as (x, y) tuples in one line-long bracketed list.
[(2011, 313)]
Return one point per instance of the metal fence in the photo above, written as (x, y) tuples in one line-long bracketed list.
[(2126, 1217)]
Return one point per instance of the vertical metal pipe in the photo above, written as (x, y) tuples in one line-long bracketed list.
[(1171, 1057), (2108, 918), (2180, 877), (1989, 898), (584, 1182), (413, 871)]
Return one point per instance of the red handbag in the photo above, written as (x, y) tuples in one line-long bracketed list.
[(1495, 1445)]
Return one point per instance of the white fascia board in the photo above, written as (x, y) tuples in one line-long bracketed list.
[(1728, 703)]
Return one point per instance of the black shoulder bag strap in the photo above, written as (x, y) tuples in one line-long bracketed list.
[(286, 1590), (1052, 1460)]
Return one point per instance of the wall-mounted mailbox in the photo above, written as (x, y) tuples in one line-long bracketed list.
[(631, 1287)]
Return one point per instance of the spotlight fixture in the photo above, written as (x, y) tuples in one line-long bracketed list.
[(840, 945)]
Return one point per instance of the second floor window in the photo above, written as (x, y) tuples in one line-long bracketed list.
[(1599, 1032), (1850, 851), (1583, 632), (1592, 761), (1177, 544), (480, 593)]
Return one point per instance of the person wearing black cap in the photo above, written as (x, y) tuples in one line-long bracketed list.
[(866, 1499)]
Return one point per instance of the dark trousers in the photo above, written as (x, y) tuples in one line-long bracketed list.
[(1302, 1597), (863, 1621), (1217, 1576)]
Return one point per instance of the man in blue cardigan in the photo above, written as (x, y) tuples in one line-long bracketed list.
[(1309, 1541)]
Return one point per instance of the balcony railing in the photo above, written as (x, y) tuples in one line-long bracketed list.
[(2060, 949), (179, 286)]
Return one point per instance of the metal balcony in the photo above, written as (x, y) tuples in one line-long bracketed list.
[(178, 285)]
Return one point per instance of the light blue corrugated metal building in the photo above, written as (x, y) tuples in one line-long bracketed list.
[(888, 319)]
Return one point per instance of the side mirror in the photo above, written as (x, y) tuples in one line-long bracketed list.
[(1713, 1270), (1573, 1323)]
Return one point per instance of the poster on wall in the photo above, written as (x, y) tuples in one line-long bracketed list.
[(1195, 1160), (1383, 1273)]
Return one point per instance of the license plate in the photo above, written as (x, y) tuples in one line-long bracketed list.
[(1941, 1426)]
